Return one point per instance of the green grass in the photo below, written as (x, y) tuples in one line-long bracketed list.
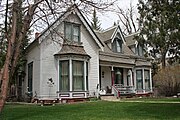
[(156, 100), (99, 110)]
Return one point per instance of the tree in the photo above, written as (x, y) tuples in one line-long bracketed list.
[(160, 28), (24, 14), (95, 24), (128, 18), (167, 81)]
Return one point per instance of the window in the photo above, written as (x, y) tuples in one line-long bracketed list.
[(64, 75), (30, 77), (117, 45), (147, 79), (72, 75), (72, 32), (78, 75), (87, 75), (139, 50), (139, 79)]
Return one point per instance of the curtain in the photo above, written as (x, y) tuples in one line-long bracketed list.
[(76, 33), (139, 79), (78, 69), (147, 79), (64, 76), (68, 31)]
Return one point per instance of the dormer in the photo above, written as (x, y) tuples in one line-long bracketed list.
[(134, 45)]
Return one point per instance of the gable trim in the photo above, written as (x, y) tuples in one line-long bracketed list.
[(114, 35), (91, 31)]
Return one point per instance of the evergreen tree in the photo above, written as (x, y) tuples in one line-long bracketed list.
[(95, 24), (160, 28)]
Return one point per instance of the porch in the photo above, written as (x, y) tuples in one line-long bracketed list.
[(123, 81)]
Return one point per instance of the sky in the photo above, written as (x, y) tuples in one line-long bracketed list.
[(108, 19)]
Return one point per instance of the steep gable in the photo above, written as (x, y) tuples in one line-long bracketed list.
[(72, 10)]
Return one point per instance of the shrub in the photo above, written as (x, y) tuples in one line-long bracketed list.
[(167, 80)]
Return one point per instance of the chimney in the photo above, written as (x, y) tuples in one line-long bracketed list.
[(37, 35), (118, 22)]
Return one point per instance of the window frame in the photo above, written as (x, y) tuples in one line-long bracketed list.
[(30, 76), (83, 77), (60, 74), (147, 81), (115, 45), (72, 26), (139, 50), (141, 81)]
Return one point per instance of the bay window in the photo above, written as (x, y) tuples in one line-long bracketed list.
[(73, 75)]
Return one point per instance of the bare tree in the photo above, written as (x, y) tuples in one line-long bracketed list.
[(129, 20), (32, 12)]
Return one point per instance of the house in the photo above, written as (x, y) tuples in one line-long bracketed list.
[(74, 61)]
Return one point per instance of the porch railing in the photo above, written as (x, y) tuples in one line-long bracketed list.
[(120, 89)]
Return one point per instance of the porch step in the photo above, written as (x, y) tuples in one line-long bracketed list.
[(109, 98)]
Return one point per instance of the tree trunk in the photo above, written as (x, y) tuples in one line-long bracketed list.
[(163, 60), (13, 52), (7, 64)]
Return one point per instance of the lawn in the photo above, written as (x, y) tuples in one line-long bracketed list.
[(97, 110)]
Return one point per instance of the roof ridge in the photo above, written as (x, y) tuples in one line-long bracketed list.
[(112, 27)]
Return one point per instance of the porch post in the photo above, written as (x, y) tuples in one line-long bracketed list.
[(112, 75), (150, 80), (143, 81), (71, 77), (85, 72)]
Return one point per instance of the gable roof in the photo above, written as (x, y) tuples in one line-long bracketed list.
[(130, 39), (106, 34), (109, 34), (75, 9)]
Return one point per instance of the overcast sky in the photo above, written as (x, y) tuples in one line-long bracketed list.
[(107, 20)]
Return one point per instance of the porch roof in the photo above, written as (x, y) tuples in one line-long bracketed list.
[(116, 58), (126, 61), (142, 63)]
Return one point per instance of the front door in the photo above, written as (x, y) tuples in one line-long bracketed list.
[(118, 76)]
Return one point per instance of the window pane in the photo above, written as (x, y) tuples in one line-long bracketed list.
[(139, 79), (30, 76), (64, 76), (68, 31), (114, 46), (139, 50), (147, 79), (118, 45), (78, 77), (76, 33)]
